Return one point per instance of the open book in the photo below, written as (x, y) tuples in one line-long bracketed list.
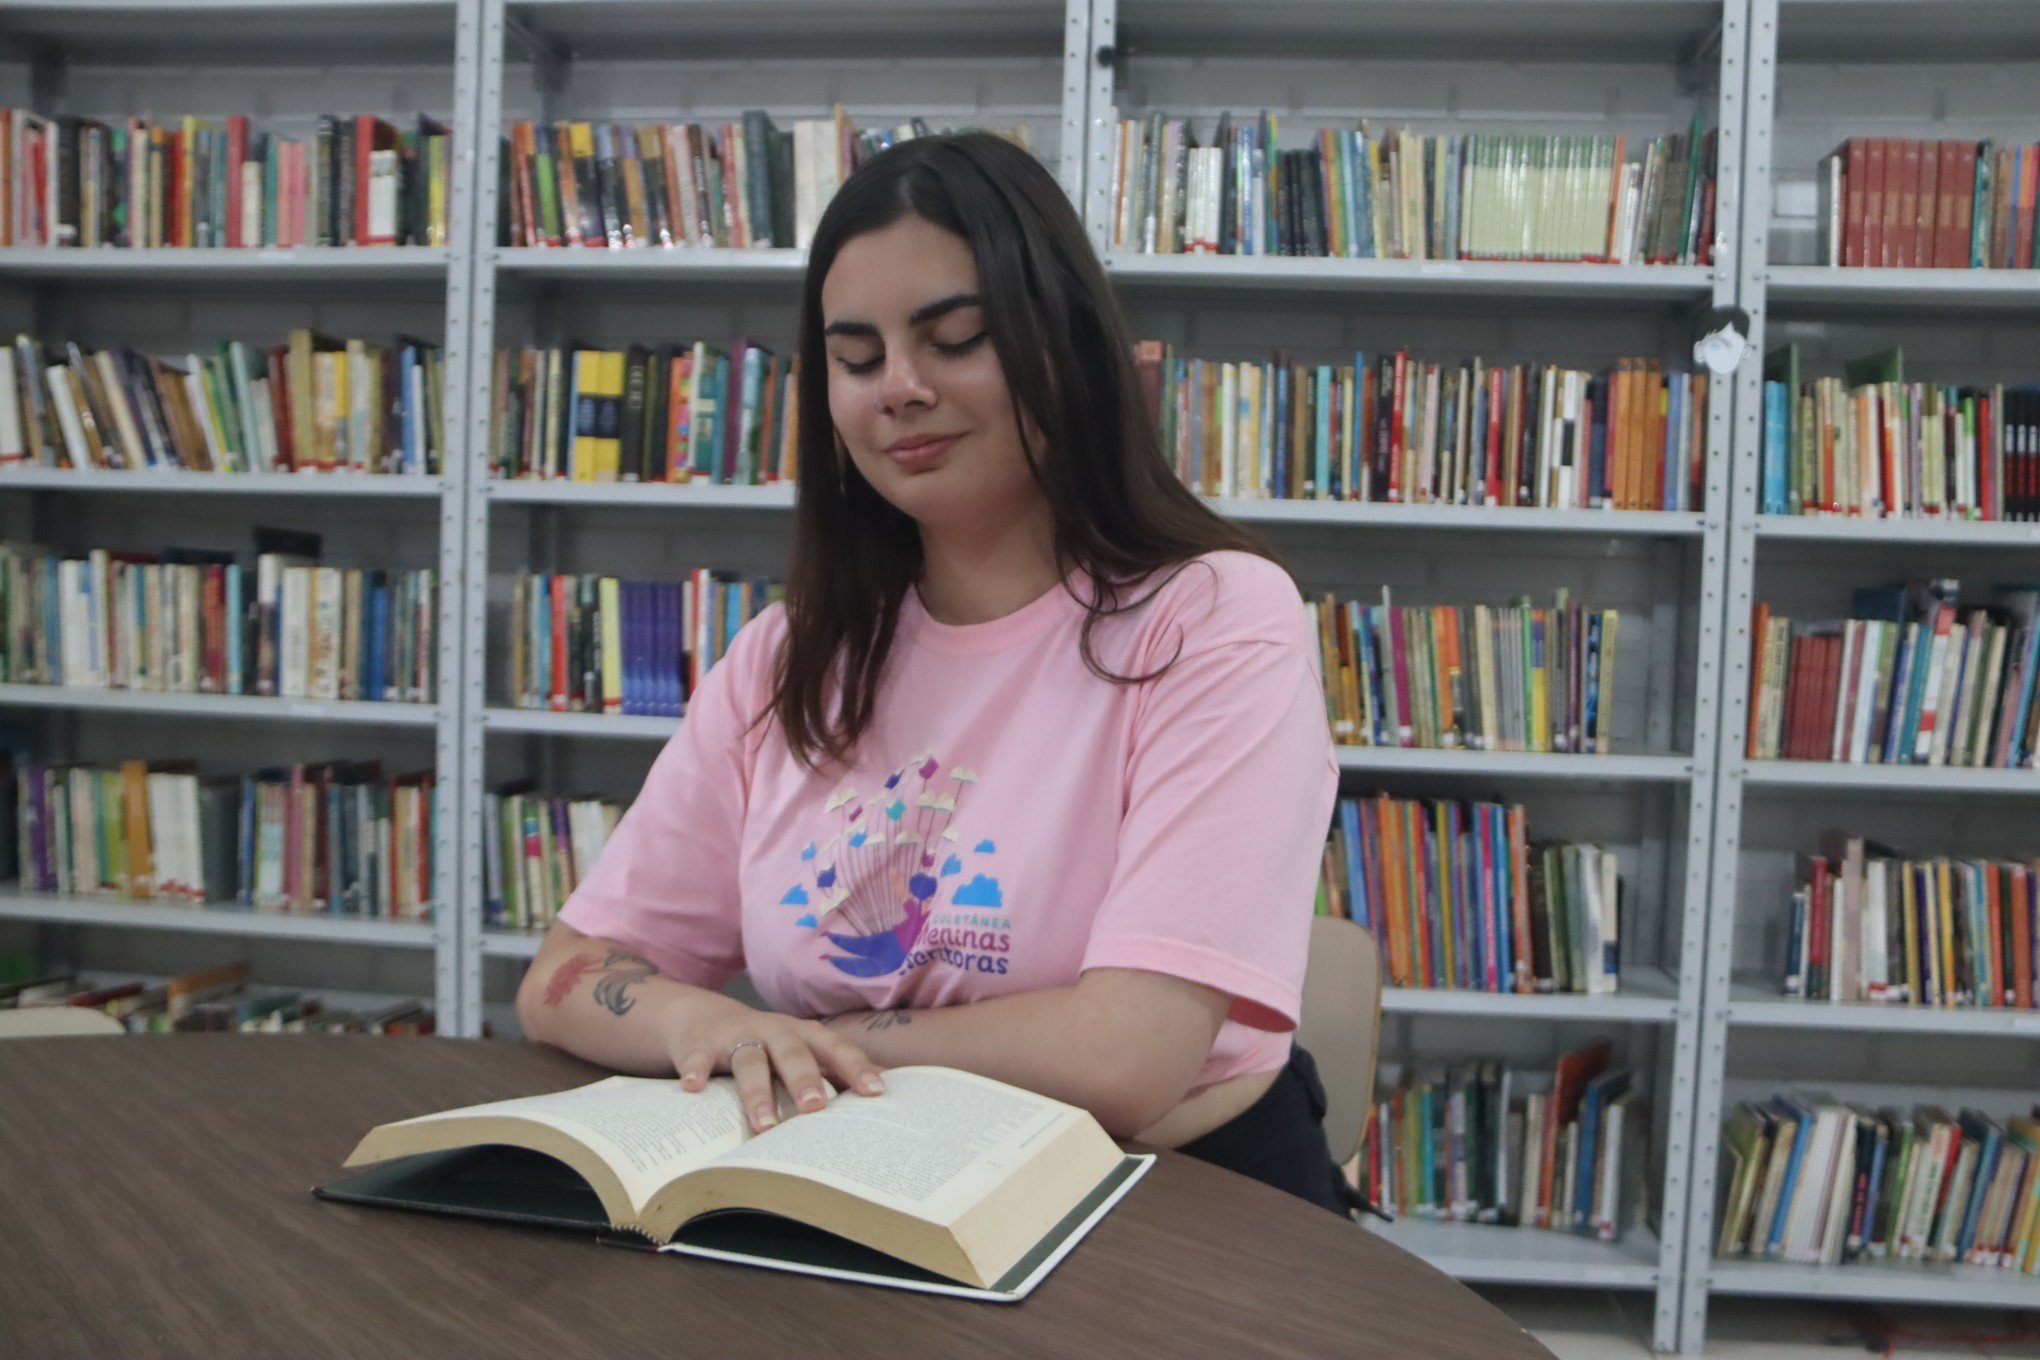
[(948, 1182)]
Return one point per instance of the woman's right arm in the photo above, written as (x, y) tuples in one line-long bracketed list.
[(600, 1001)]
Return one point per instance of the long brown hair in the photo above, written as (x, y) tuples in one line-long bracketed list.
[(1120, 513)]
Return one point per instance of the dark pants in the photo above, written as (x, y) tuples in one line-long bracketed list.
[(1280, 1139)]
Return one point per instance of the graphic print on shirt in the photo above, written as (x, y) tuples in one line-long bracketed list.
[(874, 884)]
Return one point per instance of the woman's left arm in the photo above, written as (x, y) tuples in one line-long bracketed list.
[(1123, 1043)]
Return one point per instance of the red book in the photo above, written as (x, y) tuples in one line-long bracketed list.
[(1901, 212), (1830, 686), (1855, 155), (1965, 205), (1876, 158), (237, 152), (371, 135), (2023, 891), (2029, 166), (557, 699), (1946, 205), (1789, 741), (1927, 206)]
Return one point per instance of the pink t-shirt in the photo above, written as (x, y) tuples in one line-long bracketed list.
[(1012, 821)]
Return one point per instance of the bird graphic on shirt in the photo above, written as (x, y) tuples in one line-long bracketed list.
[(881, 880)]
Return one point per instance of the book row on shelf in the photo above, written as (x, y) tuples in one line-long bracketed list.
[(1869, 443), (535, 852), (311, 404), (209, 999), (1498, 678), (671, 413), (1907, 679), (597, 644), (1907, 203), (354, 181), (1391, 429), (1871, 924), (340, 839), (1356, 193), (1808, 1179), (1479, 677), (1397, 428), (1472, 1147), (1459, 896), (196, 621), (743, 184)]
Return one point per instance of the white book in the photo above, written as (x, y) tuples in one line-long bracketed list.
[(1228, 457), (1841, 1191), (76, 447), (216, 451), (1875, 925), (13, 439), (1809, 1191), (328, 585), (157, 791), (382, 195), (294, 633)]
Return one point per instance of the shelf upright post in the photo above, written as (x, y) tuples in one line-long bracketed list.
[(1101, 122), (1749, 34), (451, 991), (470, 628), (1076, 98)]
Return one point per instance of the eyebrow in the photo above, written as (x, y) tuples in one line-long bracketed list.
[(939, 307)]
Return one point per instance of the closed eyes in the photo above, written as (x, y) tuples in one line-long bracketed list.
[(956, 350)]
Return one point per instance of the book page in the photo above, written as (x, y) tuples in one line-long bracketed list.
[(647, 1129), (933, 1145)]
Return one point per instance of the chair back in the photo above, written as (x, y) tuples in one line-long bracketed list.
[(36, 1022), (1341, 1024)]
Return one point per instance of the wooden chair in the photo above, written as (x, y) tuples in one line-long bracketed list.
[(1341, 1024), (36, 1022)]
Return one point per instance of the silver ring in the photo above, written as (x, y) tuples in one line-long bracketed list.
[(746, 1043)]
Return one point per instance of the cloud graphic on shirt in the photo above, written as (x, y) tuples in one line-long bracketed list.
[(985, 847), (896, 809), (807, 921), (796, 896), (952, 865), (982, 891), (807, 852)]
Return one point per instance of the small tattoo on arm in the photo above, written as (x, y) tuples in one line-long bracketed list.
[(615, 977), (887, 1019)]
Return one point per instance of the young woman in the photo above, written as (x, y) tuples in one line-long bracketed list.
[(1030, 775)]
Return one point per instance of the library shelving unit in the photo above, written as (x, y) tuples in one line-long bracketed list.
[(971, 63), (1820, 71), (285, 62), (1484, 66)]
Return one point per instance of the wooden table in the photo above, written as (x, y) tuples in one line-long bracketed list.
[(156, 1194)]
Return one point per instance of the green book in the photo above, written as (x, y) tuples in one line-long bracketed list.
[(1885, 366)]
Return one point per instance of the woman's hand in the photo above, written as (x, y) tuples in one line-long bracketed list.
[(755, 1046)]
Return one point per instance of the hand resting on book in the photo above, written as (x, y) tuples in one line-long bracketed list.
[(755, 1046)]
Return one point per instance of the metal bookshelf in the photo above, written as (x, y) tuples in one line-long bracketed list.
[(1091, 57), (1790, 1036), (174, 53), (980, 62), (1197, 57)]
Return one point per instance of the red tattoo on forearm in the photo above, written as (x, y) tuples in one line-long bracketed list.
[(565, 976)]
